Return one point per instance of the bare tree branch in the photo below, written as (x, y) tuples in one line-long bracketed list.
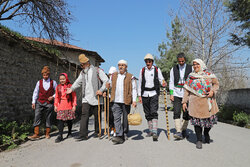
[(46, 17)]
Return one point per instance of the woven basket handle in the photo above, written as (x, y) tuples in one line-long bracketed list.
[(133, 110)]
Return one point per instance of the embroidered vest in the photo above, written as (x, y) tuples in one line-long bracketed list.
[(176, 71), (156, 82), (43, 94)]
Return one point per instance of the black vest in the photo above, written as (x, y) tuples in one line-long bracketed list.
[(156, 82), (188, 70)]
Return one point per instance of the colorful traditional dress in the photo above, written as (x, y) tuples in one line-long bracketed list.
[(64, 102)]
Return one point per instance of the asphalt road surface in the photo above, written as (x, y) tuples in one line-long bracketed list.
[(230, 148)]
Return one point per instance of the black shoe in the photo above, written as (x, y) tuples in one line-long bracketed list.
[(58, 139), (207, 139), (78, 137), (69, 135), (117, 140), (81, 138), (155, 137), (199, 145)]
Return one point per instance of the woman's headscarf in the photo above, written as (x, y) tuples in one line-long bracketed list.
[(65, 86), (67, 79), (199, 83), (204, 72)]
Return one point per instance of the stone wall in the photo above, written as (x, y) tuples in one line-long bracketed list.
[(20, 69), (239, 98)]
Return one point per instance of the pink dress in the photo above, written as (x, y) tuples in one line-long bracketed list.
[(64, 103)]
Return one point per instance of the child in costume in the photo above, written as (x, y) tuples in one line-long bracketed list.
[(65, 106), (42, 102)]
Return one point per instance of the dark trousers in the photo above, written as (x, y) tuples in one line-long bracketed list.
[(43, 109), (120, 112), (111, 116), (150, 107), (198, 132), (86, 109), (177, 109), (60, 126)]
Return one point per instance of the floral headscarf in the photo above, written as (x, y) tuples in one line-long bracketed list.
[(199, 82)]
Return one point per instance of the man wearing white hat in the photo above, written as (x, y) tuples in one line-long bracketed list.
[(150, 79), (123, 94), (90, 80)]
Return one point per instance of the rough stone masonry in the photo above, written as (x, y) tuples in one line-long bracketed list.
[(20, 69)]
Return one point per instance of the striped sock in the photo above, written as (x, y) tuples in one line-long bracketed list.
[(155, 125), (150, 126)]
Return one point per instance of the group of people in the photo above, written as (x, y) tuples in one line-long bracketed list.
[(192, 91)]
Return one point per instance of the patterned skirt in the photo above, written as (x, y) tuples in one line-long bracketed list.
[(206, 122), (65, 115)]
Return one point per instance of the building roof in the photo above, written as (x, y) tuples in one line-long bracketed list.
[(68, 46)]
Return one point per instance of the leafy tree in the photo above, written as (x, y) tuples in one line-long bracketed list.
[(177, 42), (240, 12), (46, 17)]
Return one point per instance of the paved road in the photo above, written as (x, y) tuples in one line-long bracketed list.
[(230, 148)]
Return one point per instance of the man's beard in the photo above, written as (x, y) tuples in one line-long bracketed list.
[(122, 70), (85, 70)]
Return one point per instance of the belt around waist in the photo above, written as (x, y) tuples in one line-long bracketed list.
[(179, 86), (149, 89)]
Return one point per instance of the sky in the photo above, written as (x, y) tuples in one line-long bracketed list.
[(117, 29)]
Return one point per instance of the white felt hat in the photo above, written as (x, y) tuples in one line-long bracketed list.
[(112, 70), (123, 62)]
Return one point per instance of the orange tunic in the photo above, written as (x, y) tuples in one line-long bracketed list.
[(64, 104)]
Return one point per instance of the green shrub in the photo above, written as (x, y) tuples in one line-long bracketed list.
[(241, 119), (12, 130), (226, 113)]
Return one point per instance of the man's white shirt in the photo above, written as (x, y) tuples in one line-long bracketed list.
[(178, 92), (149, 78), (119, 97)]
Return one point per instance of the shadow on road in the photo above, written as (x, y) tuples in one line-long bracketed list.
[(163, 130), (162, 108), (191, 135), (159, 131), (135, 135), (65, 132)]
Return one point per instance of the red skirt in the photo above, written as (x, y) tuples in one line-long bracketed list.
[(65, 115)]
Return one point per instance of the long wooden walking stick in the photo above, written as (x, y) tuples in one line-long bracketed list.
[(105, 120), (99, 118), (108, 110), (166, 110)]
